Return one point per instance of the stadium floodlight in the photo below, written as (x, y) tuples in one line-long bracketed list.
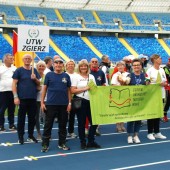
[(157, 23), (80, 20), (42, 18), (117, 21), (1, 30)]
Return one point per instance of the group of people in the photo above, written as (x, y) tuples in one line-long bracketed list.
[(48, 90)]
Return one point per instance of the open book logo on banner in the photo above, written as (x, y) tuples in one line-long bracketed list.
[(119, 98)]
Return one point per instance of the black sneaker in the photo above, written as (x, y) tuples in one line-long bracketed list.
[(2, 129), (32, 139), (93, 145), (12, 128), (63, 147), (21, 140), (83, 146), (44, 148)]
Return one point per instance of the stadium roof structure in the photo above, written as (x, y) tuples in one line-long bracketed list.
[(102, 5)]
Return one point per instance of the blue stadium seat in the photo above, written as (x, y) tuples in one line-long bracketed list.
[(107, 17), (71, 15), (166, 28), (147, 46), (140, 27), (63, 24), (102, 26), (4, 46), (110, 46), (31, 13), (73, 46), (148, 18), (9, 11), (25, 22)]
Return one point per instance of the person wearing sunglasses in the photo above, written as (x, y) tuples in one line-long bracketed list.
[(100, 81)]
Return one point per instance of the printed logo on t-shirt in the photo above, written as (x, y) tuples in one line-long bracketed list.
[(64, 80), (99, 78)]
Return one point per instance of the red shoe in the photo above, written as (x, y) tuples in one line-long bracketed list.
[(165, 119)]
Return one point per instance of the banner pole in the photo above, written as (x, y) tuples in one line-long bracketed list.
[(33, 62)]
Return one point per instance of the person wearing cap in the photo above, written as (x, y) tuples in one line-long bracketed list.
[(6, 95), (58, 101), (80, 88), (156, 74), (24, 87), (118, 79), (144, 60), (70, 70), (167, 104)]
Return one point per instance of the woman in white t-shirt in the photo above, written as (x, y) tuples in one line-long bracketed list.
[(118, 79), (156, 75), (80, 88), (70, 70), (40, 66)]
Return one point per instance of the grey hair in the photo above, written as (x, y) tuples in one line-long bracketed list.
[(40, 63), (5, 56)]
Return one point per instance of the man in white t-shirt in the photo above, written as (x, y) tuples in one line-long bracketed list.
[(49, 63), (6, 96), (104, 66)]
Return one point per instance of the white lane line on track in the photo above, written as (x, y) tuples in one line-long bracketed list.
[(88, 151), (142, 165), (76, 127), (106, 134)]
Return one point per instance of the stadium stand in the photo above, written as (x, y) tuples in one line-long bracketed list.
[(148, 18), (73, 45), (5, 47), (107, 17), (9, 11), (147, 46), (31, 13), (71, 15), (111, 46)]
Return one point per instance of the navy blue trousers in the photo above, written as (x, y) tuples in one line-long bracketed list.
[(29, 107), (7, 102), (82, 113)]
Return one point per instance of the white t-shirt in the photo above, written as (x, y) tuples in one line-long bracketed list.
[(72, 75), (6, 79), (104, 69), (46, 70), (114, 80), (152, 76), (81, 82)]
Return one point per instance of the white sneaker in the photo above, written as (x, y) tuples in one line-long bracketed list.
[(136, 139), (160, 136), (130, 140), (150, 136), (72, 135)]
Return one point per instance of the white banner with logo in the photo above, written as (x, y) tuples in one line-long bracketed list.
[(33, 38)]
